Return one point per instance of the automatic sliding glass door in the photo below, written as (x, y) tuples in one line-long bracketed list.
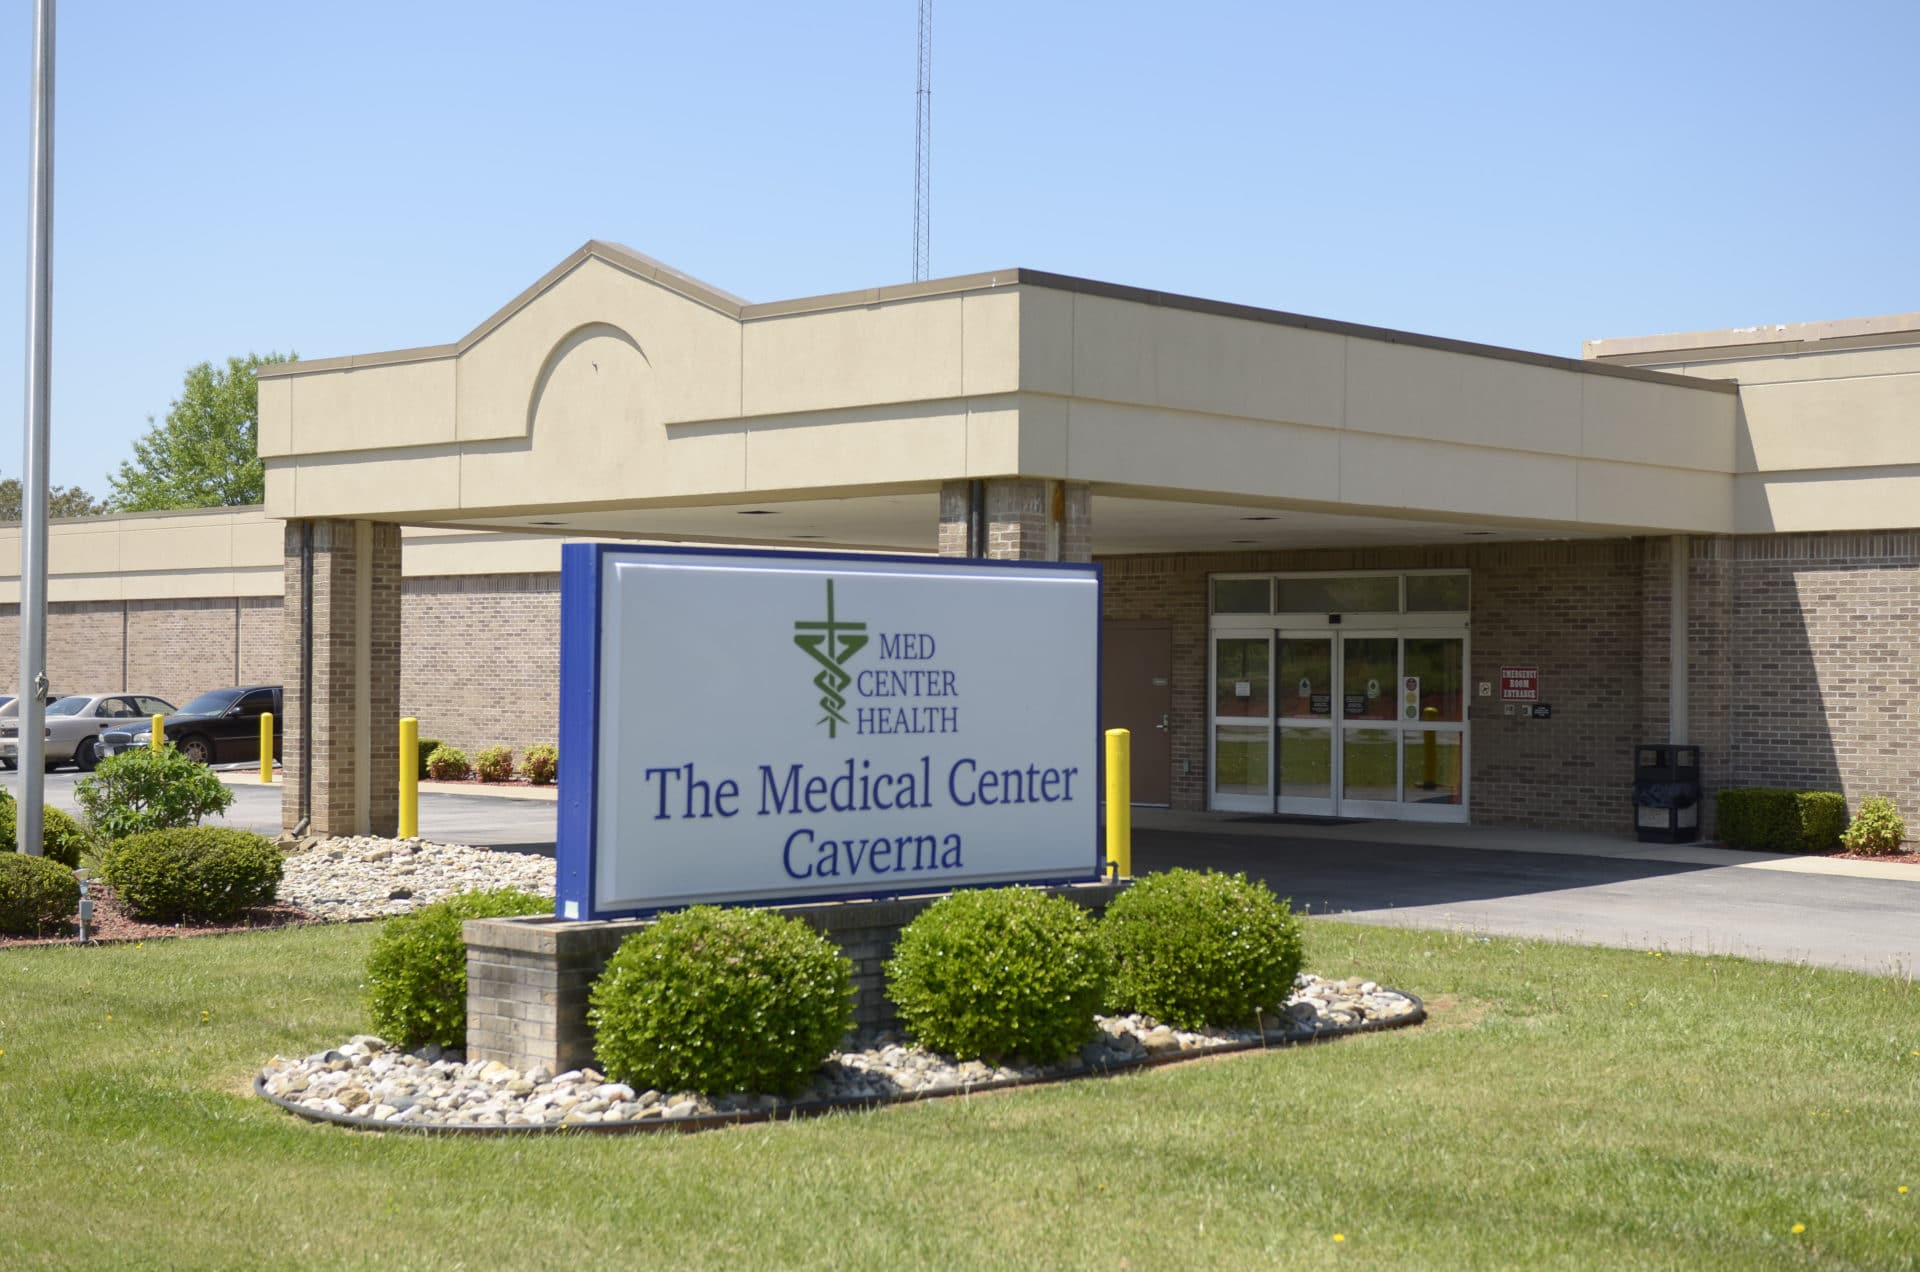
[(1305, 771)]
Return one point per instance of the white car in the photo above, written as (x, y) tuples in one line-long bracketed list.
[(75, 722)]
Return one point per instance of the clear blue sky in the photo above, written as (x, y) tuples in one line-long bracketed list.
[(354, 176)]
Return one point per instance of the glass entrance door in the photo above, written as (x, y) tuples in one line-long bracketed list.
[(1369, 757), (1340, 693), (1304, 767), (1356, 723)]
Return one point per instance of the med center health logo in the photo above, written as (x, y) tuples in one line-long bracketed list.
[(831, 642)]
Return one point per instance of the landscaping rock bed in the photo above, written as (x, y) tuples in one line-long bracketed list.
[(366, 1083), (364, 877)]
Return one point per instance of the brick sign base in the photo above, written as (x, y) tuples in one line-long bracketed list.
[(527, 978)]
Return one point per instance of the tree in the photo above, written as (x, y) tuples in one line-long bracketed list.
[(205, 454), (62, 501)]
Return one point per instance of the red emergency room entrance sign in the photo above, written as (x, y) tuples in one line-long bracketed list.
[(1520, 684)]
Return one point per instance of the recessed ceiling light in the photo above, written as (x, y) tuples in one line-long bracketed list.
[(755, 512)]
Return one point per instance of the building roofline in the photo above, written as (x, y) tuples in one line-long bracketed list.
[(1771, 338), (643, 266)]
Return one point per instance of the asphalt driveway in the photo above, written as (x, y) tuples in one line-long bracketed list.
[(1741, 908)]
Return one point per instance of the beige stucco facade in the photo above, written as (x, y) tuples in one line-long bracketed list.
[(1827, 437), (229, 553), (615, 384)]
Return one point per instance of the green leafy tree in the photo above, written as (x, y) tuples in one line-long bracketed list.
[(206, 453), (62, 501)]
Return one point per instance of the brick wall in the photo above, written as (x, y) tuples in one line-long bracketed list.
[(481, 659), (1823, 670), (174, 649), (1572, 609)]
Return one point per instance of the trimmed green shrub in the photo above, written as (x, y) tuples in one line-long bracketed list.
[(417, 970), (448, 764), (1823, 819), (142, 790), (542, 763), (427, 747), (1768, 819), (1194, 948), (62, 839), (999, 972), (1878, 831), (35, 893), (495, 764), (714, 1000), (192, 874)]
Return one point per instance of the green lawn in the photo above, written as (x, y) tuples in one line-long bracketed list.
[(1565, 1107)]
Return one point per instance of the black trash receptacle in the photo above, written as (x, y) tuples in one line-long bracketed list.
[(1666, 793)]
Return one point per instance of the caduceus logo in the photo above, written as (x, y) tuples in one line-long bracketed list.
[(830, 643)]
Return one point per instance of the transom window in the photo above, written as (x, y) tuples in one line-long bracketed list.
[(1422, 592)]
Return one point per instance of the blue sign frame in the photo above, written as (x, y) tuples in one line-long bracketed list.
[(576, 850)]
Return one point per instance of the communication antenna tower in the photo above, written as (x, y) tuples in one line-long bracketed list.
[(923, 145)]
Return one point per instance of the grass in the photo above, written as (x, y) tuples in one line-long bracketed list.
[(1566, 1107)]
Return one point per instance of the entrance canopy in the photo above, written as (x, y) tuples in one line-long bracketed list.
[(617, 397)]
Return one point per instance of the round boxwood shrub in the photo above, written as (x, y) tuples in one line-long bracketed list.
[(541, 764), (192, 874), (448, 764), (1193, 948), (35, 893), (714, 1000), (417, 971), (997, 972), (62, 839)]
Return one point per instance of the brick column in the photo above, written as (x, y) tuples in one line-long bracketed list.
[(1028, 519), (355, 675)]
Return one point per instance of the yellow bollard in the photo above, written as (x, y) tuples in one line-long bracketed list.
[(1430, 759), (158, 741), (409, 778), (1120, 803), (266, 746)]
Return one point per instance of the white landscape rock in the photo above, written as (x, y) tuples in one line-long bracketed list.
[(366, 877), (367, 1078)]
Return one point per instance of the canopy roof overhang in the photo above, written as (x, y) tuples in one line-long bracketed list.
[(617, 397)]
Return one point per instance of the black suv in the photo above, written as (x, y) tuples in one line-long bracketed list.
[(218, 727)]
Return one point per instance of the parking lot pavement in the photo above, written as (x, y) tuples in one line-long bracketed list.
[(1693, 906), (482, 820)]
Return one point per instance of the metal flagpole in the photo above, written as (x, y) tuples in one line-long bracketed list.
[(33, 508)]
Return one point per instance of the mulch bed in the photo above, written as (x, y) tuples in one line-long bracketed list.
[(113, 924), (474, 781)]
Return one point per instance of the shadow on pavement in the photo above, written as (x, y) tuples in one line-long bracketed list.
[(1325, 876)]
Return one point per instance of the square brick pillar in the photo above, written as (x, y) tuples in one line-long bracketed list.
[(355, 674), (1027, 519)]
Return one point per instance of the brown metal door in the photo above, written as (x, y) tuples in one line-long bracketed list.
[(1136, 694)]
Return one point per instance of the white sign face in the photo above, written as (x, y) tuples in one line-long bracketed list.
[(775, 726)]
